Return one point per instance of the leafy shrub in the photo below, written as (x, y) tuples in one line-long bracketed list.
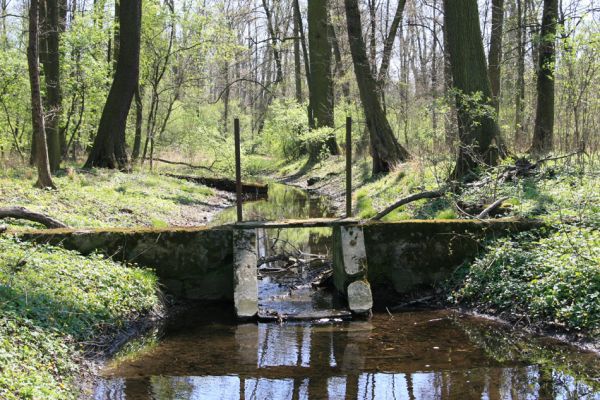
[(554, 279)]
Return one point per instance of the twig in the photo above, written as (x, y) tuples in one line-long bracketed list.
[(491, 207), (23, 213), (409, 199)]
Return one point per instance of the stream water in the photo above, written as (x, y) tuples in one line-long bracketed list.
[(206, 354)]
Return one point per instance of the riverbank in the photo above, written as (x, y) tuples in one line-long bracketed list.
[(60, 311), (104, 198), (547, 281)]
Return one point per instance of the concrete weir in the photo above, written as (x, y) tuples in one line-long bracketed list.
[(371, 260)]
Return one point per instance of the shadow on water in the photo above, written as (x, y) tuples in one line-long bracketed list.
[(423, 355)]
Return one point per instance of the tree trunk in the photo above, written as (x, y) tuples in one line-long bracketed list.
[(477, 126), (109, 150), (544, 117), (297, 65), (274, 46), (321, 82), (520, 84), (298, 17), (116, 36), (385, 149), (53, 97), (339, 68), (389, 44), (139, 114), (37, 112), (495, 53)]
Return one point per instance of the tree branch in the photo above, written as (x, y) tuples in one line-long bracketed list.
[(23, 213), (409, 199)]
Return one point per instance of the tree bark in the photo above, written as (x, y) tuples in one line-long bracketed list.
[(477, 126), (385, 149), (37, 112), (139, 115), (321, 82), (495, 53), (109, 150), (544, 117), (53, 95), (297, 61)]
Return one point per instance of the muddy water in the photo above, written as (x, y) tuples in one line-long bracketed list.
[(412, 355), (418, 355)]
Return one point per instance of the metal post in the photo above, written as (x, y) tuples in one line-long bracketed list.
[(348, 167), (238, 168)]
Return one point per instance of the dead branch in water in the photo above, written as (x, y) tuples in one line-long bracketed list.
[(23, 213)]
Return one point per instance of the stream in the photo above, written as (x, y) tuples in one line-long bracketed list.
[(206, 354)]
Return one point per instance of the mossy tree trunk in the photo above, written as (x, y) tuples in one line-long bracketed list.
[(37, 111), (477, 126), (543, 131), (321, 78), (385, 149), (109, 150)]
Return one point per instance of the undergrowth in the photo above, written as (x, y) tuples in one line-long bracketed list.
[(56, 304)]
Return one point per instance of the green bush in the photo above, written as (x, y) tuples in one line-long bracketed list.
[(554, 279)]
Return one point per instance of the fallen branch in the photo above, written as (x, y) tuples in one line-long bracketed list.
[(278, 257), (409, 199), (491, 207), (23, 213), (162, 160)]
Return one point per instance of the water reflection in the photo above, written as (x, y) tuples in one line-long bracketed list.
[(426, 355), (284, 202)]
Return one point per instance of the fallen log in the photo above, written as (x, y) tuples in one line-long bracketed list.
[(409, 199), (253, 190), (162, 160), (491, 207), (23, 213)]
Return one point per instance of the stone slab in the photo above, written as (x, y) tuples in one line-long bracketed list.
[(245, 274), (354, 253), (360, 298)]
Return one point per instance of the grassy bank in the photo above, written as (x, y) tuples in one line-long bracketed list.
[(54, 306), (101, 198)]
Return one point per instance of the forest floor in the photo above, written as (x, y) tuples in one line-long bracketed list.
[(99, 198), (58, 311)]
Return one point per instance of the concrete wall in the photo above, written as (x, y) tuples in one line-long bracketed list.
[(407, 256), (194, 264)]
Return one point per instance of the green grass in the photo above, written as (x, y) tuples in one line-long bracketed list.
[(101, 198), (53, 302)]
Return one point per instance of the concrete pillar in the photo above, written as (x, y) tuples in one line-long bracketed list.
[(350, 267), (245, 274)]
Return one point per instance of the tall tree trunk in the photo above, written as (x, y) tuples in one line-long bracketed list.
[(139, 115), (37, 112), (477, 130), (297, 61), (520, 84), (321, 82), (298, 17), (339, 68), (51, 64), (116, 36), (385, 149), (109, 150), (495, 53), (274, 45), (389, 44), (544, 117)]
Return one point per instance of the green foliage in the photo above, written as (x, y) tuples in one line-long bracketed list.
[(553, 279), (286, 130), (52, 301)]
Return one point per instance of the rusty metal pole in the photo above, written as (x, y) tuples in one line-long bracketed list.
[(348, 167), (238, 168)]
